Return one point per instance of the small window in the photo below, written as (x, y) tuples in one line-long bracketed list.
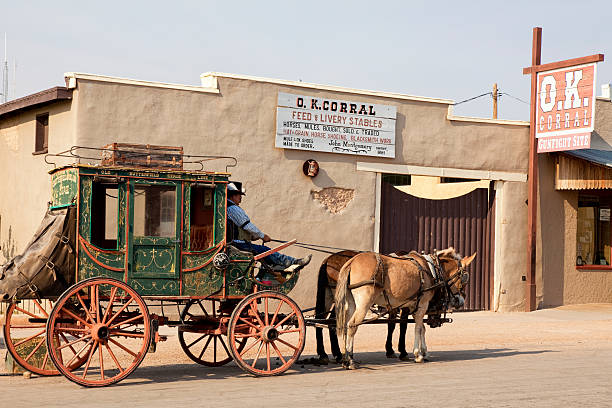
[(155, 211), (593, 230), (397, 179), (42, 134)]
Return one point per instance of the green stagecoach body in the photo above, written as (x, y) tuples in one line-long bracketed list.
[(158, 230)]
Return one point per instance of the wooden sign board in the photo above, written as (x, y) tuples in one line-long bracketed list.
[(565, 108), (335, 126)]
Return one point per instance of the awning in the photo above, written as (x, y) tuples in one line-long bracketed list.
[(584, 169)]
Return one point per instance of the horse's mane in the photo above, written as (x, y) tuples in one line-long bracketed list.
[(449, 253)]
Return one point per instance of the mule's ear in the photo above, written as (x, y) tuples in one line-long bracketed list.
[(466, 261)]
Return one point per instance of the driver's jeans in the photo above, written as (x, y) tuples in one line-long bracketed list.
[(274, 259)]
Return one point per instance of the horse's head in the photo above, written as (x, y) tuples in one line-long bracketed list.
[(456, 277)]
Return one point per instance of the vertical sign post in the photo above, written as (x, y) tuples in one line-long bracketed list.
[(560, 119)]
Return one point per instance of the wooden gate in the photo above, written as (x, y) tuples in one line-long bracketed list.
[(466, 223)]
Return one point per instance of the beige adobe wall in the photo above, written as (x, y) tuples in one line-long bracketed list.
[(241, 121), (26, 186)]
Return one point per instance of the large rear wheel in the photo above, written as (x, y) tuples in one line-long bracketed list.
[(274, 329), (103, 321)]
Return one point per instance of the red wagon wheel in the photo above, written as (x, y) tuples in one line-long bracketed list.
[(103, 321), (203, 336), (25, 337), (274, 329)]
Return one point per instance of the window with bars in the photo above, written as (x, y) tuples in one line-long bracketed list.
[(41, 143), (396, 179)]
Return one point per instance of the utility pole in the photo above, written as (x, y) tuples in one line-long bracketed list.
[(5, 74), (494, 101)]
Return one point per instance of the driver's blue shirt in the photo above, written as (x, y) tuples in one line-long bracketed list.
[(240, 218)]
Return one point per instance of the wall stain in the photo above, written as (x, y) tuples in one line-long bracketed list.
[(334, 199)]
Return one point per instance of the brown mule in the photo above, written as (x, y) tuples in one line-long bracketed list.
[(370, 278)]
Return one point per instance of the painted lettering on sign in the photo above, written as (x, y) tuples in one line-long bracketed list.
[(565, 107), (335, 126)]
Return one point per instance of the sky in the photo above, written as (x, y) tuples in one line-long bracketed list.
[(443, 49)]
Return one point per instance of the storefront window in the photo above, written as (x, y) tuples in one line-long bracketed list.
[(593, 230)]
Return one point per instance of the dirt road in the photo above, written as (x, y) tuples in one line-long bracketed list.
[(554, 357)]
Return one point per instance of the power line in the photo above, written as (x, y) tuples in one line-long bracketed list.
[(513, 97), (471, 99)]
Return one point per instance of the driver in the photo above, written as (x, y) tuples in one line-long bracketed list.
[(241, 231)]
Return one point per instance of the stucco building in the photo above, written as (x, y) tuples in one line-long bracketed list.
[(465, 177)]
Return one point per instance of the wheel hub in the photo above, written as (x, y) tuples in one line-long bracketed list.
[(100, 332), (269, 334)]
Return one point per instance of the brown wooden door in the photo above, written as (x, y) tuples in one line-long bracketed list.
[(466, 223)]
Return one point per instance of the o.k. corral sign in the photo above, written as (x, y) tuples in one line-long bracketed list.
[(565, 107), (335, 126)]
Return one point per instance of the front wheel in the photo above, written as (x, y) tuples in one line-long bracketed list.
[(267, 333), (104, 322)]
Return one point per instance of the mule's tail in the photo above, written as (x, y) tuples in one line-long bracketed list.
[(342, 297), (322, 284)]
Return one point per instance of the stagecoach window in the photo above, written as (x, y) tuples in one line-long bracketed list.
[(104, 213), (201, 229), (155, 211), (593, 229)]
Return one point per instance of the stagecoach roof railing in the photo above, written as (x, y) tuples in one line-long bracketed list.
[(73, 153)]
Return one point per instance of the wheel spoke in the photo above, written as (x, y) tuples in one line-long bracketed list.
[(120, 310), (204, 309), (257, 355), (44, 362), (197, 340), (72, 342), (114, 358), (126, 321), (91, 352), (279, 353), (268, 355), (205, 347), (266, 310), (78, 295), (26, 312), (79, 352), (249, 323), (64, 310), (276, 313), (111, 300), (250, 347), (29, 338), (285, 319), (246, 335), (40, 343), (40, 308), (215, 349), (127, 334), (289, 331), (101, 360), (287, 344), (253, 306), (97, 306), (122, 347), (224, 346)]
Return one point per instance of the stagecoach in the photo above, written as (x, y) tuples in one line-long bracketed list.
[(133, 243)]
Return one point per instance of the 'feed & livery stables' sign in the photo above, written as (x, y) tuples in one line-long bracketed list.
[(335, 126), (565, 107)]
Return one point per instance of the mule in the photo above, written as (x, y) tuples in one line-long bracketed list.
[(370, 278), (326, 286)]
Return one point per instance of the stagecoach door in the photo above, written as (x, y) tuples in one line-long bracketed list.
[(154, 244)]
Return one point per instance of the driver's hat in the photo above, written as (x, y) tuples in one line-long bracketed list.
[(232, 189)]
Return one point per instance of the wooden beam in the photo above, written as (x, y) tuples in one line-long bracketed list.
[(563, 64), (532, 176)]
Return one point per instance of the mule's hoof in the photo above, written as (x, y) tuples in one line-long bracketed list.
[(404, 357), (391, 354), (419, 359), (353, 365), (323, 360), (338, 359)]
